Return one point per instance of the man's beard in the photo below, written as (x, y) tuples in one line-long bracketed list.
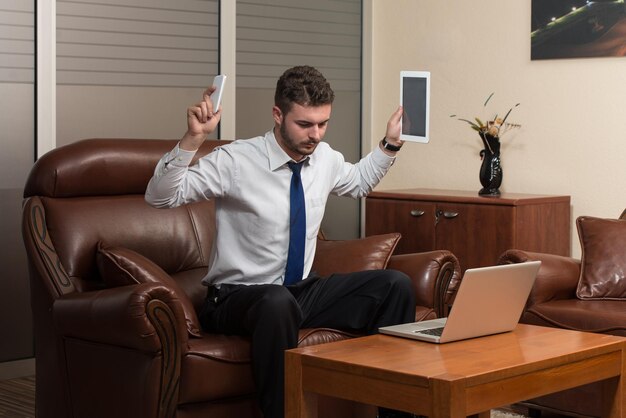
[(292, 145)]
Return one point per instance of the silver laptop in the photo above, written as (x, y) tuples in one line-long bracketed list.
[(490, 300)]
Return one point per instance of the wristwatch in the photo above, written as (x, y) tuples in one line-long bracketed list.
[(387, 145)]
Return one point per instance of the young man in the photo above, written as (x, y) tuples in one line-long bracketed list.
[(259, 280)]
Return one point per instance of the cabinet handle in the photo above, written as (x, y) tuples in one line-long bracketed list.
[(445, 214), (417, 213), (450, 215)]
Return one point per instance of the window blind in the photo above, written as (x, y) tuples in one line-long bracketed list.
[(17, 41), (157, 43), (273, 35)]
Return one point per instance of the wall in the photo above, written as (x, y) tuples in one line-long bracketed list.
[(572, 141), (16, 158)]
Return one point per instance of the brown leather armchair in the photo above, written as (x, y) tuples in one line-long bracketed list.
[(553, 302), (112, 350)]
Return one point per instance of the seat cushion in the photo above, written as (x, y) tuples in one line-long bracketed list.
[(606, 316), (217, 366)]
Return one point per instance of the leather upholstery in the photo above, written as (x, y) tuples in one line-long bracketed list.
[(370, 253), (125, 351), (603, 272), (120, 266), (553, 303)]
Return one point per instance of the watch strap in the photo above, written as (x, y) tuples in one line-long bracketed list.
[(390, 147)]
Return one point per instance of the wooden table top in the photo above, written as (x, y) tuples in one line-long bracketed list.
[(476, 360)]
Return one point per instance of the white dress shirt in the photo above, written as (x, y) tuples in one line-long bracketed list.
[(249, 180)]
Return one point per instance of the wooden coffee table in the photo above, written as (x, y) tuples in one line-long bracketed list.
[(456, 379)]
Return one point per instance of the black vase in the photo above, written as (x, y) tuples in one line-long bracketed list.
[(490, 169)]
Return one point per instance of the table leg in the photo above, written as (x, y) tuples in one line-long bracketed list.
[(298, 404), (448, 399), (615, 393)]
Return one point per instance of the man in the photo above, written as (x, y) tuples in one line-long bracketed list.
[(270, 193)]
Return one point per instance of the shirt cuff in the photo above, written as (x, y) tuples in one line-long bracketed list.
[(179, 157), (381, 157)]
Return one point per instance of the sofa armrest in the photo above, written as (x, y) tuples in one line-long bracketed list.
[(557, 277), (435, 274), (138, 317)]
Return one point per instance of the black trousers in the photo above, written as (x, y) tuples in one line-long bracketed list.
[(272, 315)]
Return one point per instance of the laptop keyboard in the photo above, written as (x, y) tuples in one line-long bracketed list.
[(432, 331)]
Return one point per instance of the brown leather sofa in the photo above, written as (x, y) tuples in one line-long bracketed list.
[(555, 302), (107, 348)]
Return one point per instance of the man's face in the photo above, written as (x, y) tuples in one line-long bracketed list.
[(301, 129)]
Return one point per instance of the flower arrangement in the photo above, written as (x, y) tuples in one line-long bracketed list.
[(490, 132), (494, 127)]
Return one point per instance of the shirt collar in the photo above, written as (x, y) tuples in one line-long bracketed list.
[(277, 156)]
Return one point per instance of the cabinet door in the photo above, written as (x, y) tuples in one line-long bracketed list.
[(415, 220), (476, 234)]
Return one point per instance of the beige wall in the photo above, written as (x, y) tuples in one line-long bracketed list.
[(573, 138)]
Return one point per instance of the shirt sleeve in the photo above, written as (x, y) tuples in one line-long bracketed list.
[(175, 182), (358, 180), (162, 190)]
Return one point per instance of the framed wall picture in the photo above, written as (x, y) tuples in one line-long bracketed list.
[(578, 28)]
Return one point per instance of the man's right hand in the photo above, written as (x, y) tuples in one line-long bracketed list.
[(201, 121)]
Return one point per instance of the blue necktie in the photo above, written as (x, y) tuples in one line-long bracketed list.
[(297, 227)]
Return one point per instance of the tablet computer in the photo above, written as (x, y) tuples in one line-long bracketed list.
[(415, 100)]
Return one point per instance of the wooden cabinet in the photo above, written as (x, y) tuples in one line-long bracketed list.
[(476, 229)]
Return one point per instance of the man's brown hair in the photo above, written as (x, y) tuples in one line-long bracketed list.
[(303, 85)]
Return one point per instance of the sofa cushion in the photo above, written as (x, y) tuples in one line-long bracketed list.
[(603, 262), (217, 366), (604, 316), (370, 253), (119, 266)]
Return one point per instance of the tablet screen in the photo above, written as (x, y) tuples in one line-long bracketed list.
[(415, 99)]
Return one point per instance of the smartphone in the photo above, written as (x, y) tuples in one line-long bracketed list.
[(216, 96)]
